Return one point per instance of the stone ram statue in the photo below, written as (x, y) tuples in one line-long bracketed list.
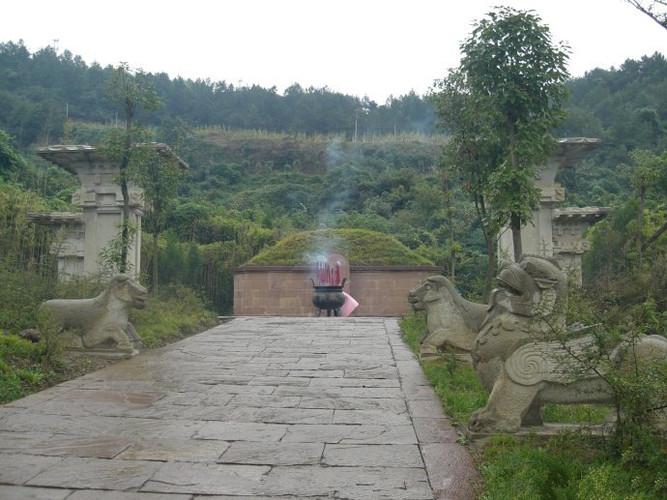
[(521, 355), (100, 324), (452, 321)]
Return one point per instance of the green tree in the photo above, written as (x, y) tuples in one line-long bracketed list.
[(158, 172), (646, 172), (132, 93), (172, 260), (10, 161), (649, 169), (511, 66), (193, 266), (472, 152)]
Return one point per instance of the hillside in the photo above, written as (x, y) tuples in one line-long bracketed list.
[(39, 91), (249, 188), (45, 97), (627, 109)]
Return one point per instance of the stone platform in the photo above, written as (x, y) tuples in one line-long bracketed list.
[(255, 408)]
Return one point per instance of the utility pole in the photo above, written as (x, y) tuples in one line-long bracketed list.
[(356, 120)]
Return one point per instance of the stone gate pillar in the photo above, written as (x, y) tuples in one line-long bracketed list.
[(86, 234), (101, 201), (554, 231)]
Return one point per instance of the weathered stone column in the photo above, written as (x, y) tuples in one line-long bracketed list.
[(101, 201), (553, 231)]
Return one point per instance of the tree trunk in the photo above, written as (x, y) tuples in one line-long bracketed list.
[(655, 236), (156, 260), (125, 225), (640, 222), (515, 225), (515, 218), (490, 267), (449, 211)]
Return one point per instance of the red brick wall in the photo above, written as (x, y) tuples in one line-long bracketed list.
[(287, 291)]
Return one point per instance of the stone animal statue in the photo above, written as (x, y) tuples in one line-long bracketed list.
[(520, 360), (101, 323), (451, 320)]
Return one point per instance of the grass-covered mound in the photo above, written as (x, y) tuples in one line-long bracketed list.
[(360, 246)]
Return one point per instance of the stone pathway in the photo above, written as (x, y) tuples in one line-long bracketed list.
[(256, 408)]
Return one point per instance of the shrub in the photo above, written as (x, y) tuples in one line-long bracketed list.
[(175, 313), (23, 368)]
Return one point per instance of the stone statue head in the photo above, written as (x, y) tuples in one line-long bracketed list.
[(128, 291), (429, 290), (534, 286)]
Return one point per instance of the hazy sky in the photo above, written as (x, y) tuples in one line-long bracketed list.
[(362, 47)]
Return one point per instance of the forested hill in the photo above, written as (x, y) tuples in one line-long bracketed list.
[(621, 106), (296, 169), (37, 89), (627, 109)]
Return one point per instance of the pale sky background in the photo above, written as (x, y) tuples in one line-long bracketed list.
[(362, 47)]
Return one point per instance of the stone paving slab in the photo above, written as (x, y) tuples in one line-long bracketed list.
[(244, 452), (258, 408), (26, 493)]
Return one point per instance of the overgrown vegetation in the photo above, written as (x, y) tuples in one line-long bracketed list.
[(22, 369), (173, 314), (247, 189), (571, 466)]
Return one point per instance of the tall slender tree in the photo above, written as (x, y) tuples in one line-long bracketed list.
[(132, 93), (513, 75), (159, 173), (470, 152)]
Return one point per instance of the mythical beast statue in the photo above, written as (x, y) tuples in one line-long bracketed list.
[(522, 356), (100, 324), (451, 320)]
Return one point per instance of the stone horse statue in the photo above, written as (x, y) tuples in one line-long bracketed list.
[(100, 324), (525, 355), (451, 320)]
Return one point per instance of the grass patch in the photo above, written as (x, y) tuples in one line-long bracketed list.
[(414, 330), (576, 414), (454, 381), (569, 466), (456, 384), (22, 370), (176, 313), (359, 246)]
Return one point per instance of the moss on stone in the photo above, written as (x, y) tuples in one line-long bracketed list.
[(360, 246)]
